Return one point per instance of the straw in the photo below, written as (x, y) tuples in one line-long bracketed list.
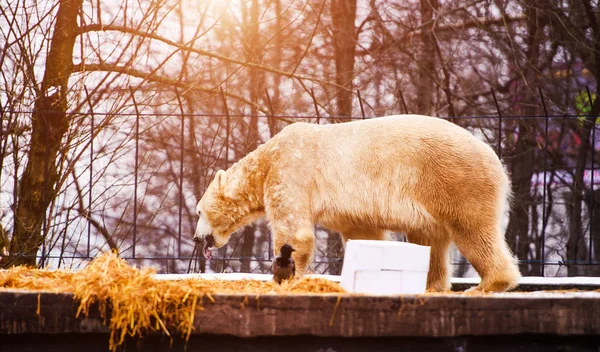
[(133, 303)]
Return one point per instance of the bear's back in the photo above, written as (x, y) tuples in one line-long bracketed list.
[(410, 165), (410, 138)]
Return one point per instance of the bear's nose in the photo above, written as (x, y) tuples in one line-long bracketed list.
[(197, 239)]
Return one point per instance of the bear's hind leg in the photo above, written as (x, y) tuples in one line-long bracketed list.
[(487, 251), (438, 278)]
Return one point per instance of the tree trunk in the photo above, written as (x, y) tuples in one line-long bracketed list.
[(426, 59), (256, 84), (335, 249), (3, 242), (521, 166), (253, 49), (49, 124), (247, 248), (343, 14), (594, 270), (576, 246), (523, 157), (275, 99), (190, 122)]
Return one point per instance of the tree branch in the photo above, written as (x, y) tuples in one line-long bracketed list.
[(152, 77), (187, 47), (440, 29), (88, 216), (589, 11)]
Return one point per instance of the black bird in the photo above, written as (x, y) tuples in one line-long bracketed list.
[(283, 265)]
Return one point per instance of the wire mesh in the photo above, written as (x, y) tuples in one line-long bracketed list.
[(150, 218)]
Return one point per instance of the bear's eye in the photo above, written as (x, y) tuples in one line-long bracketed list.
[(199, 213)]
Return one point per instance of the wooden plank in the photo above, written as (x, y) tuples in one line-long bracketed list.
[(219, 343), (48, 313), (424, 316), (355, 316), (526, 284)]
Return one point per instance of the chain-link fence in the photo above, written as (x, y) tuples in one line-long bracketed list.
[(130, 183)]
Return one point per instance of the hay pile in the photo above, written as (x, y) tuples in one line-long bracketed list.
[(24, 278), (138, 303)]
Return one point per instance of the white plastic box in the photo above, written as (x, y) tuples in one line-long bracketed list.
[(385, 267)]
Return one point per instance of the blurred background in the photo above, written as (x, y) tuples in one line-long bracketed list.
[(115, 115)]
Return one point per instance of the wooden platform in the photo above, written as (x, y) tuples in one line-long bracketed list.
[(527, 283), (445, 318)]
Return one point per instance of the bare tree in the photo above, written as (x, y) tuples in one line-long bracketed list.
[(50, 122), (343, 15), (114, 166)]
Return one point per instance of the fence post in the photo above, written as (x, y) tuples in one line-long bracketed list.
[(271, 120), (544, 215), (181, 155), (135, 182), (45, 192), (226, 108), (89, 215), (593, 156)]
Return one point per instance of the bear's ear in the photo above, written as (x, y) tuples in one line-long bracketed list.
[(221, 178)]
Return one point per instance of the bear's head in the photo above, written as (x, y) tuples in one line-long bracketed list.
[(218, 215)]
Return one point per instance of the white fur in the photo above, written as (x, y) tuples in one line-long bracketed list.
[(421, 175), (203, 228)]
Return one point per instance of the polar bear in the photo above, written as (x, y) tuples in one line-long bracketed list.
[(420, 175)]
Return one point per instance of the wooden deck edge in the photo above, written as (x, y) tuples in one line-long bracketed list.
[(526, 284), (448, 315)]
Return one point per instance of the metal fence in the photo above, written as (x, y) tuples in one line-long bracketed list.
[(134, 187)]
